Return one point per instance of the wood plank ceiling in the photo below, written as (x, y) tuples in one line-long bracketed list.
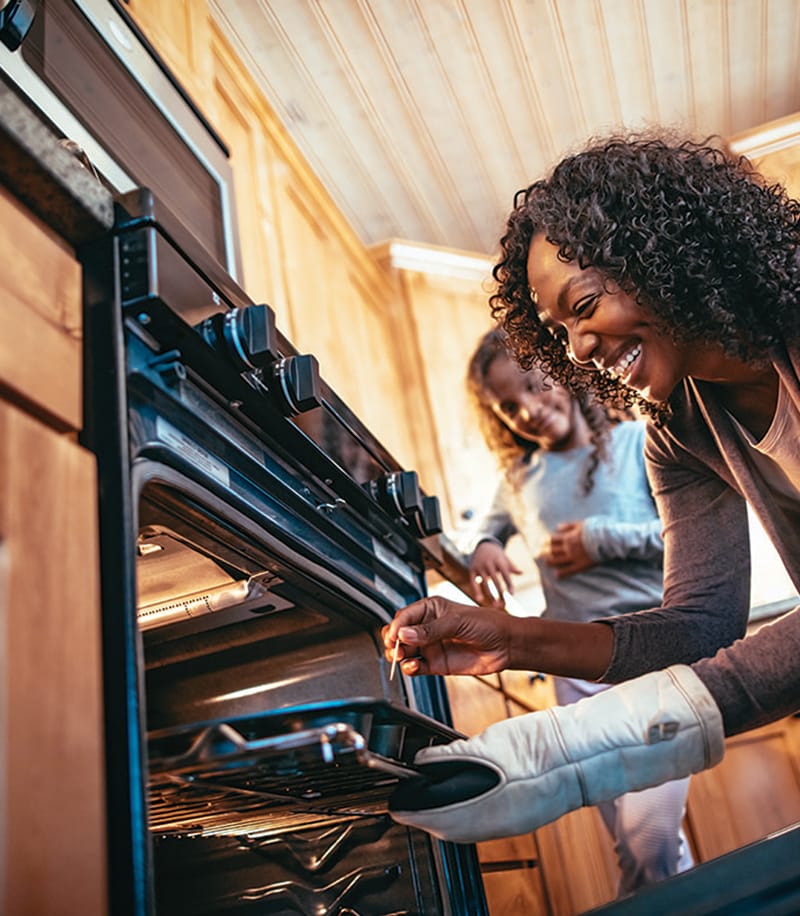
[(422, 117)]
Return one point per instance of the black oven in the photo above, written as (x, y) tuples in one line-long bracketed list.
[(255, 538)]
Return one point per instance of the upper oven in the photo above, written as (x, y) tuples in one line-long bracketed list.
[(255, 539), (95, 78)]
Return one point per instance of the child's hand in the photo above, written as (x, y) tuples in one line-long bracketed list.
[(490, 564), (564, 551)]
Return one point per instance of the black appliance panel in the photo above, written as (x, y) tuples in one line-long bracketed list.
[(253, 546)]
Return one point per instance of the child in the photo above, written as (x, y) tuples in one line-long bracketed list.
[(573, 486)]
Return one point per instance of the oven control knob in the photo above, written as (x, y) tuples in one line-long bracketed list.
[(430, 516), (398, 493), (246, 336), (295, 383)]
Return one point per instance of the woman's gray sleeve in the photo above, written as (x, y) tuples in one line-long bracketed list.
[(706, 571), (757, 679)]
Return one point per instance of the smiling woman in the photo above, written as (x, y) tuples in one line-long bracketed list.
[(699, 267), (603, 327), (666, 274)]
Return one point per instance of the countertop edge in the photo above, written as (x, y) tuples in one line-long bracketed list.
[(46, 177)]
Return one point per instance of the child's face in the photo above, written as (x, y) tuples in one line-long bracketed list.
[(535, 409), (604, 328)]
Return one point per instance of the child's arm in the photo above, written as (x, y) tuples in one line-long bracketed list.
[(606, 539)]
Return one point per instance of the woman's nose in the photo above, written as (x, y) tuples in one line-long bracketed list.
[(581, 347)]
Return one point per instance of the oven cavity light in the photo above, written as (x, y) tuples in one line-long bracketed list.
[(205, 602)]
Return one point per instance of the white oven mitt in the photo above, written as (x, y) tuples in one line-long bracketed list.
[(536, 767)]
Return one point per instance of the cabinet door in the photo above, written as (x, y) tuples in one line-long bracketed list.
[(755, 791), (52, 814), (40, 318)]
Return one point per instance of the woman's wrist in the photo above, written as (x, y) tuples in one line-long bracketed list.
[(558, 647)]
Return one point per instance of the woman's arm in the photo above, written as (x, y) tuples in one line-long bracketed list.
[(757, 679), (438, 636), (706, 569)]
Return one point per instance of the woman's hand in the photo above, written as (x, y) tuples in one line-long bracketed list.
[(565, 552), (490, 563), (438, 636)]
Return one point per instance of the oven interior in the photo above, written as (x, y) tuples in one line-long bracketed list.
[(274, 735)]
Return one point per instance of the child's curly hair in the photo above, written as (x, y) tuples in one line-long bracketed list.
[(513, 451), (695, 235)]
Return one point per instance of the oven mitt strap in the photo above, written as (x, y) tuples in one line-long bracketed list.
[(655, 728)]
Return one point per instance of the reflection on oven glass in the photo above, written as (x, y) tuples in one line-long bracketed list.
[(333, 437)]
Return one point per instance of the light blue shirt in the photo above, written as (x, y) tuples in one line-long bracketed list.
[(622, 530)]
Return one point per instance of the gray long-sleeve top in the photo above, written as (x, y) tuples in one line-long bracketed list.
[(622, 531), (701, 475)]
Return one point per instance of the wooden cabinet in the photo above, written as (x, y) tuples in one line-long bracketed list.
[(40, 320), (754, 792), (52, 817)]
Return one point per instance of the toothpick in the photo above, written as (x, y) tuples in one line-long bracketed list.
[(394, 659)]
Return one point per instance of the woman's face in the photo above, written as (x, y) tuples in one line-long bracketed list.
[(603, 327), (539, 411)]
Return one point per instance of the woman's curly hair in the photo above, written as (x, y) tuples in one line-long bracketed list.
[(513, 452), (697, 236)]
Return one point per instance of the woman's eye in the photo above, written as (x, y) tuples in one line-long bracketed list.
[(583, 305)]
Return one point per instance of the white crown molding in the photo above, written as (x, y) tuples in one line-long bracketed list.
[(430, 259), (768, 138)]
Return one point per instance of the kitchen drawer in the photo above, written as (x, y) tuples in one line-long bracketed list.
[(40, 318)]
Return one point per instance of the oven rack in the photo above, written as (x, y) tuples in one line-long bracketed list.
[(225, 779)]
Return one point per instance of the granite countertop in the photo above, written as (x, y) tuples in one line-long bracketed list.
[(46, 177)]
